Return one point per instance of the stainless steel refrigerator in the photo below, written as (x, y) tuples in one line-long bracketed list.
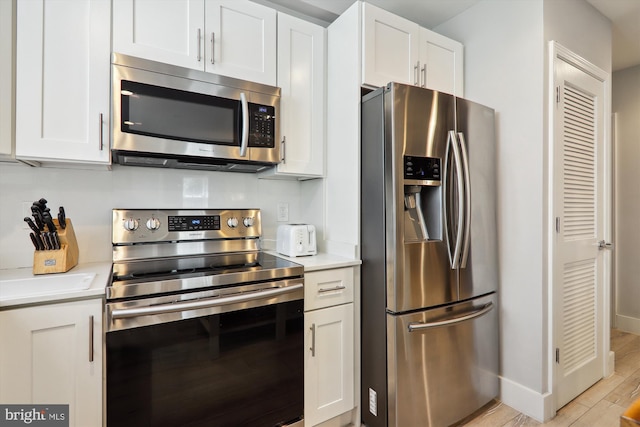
[(429, 258)]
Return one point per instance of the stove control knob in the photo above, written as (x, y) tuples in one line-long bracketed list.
[(153, 224), (248, 221), (130, 224), (232, 222)]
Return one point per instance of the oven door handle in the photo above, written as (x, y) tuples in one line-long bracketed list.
[(203, 303)]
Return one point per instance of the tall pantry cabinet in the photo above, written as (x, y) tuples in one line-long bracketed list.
[(62, 80), (369, 47)]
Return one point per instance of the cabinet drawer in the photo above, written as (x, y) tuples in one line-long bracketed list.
[(326, 288)]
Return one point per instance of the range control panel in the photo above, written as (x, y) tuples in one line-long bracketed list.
[(194, 222), (164, 225), (422, 168)]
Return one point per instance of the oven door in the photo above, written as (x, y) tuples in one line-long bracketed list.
[(203, 359)]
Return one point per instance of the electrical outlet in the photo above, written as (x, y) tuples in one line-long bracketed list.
[(283, 212), (373, 402)]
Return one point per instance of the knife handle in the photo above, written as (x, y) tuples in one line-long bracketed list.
[(39, 242), (34, 241), (31, 224), (62, 217)]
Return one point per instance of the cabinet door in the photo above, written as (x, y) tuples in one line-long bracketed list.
[(390, 48), (169, 31), (62, 80), (6, 78), (53, 355), (301, 75), (240, 40), (443, 62), (329, 364)]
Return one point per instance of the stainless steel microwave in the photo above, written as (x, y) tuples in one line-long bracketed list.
[(174, 117)]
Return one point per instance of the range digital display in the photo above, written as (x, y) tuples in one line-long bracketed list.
[(191, 223)]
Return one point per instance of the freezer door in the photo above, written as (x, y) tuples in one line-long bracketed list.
[(479, 257), (442, 363), (417, 128)]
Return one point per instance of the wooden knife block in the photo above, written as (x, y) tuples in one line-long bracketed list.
[(59, 260)]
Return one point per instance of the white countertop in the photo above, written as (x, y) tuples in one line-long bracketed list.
[(320, 261), (21, 287)]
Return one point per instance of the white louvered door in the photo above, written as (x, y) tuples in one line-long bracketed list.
[(578, 206)]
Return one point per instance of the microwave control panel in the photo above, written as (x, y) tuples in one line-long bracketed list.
[(262, 125)]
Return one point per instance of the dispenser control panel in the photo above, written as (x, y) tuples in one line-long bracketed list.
[(422, 168)]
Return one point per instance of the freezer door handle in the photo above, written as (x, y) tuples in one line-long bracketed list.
[(420, 326)]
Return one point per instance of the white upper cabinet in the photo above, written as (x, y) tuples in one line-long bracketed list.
[(396, 49), (170, 31), (301, 76), (235, 38), (390, 48), (240, 40), (442, 62), (6, 78), (62, 80)]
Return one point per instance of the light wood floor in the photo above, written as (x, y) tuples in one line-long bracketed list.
[(599, 406)]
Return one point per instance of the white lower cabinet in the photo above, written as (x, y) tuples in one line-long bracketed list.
[(52, 354), (329, 345)]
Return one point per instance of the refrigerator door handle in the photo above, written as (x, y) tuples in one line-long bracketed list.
[(467, 200), (452, 144), (420, 326)]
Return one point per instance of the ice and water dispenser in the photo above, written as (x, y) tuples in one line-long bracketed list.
[(422, 199)]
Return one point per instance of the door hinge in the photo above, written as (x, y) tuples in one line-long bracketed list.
[(557, 224), (557, 355)]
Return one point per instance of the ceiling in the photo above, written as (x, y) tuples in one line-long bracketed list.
[(624, 15)]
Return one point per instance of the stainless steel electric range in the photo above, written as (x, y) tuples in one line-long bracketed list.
[(202, 328)]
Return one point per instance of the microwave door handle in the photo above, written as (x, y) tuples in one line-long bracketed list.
[(245, 125)]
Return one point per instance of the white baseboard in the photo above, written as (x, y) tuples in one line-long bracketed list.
[(531, 403), (628, 324)]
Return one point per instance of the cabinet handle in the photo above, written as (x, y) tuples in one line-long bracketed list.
[(213, 38), (313, 340), (100, 140), (90, 338), (199, 45), (282, 145), (337, 288), (416, 74), (424, 75)]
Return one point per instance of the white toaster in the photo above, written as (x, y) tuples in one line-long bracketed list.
[(296, 240)]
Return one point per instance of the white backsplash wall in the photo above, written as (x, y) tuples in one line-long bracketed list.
[(89, 196)]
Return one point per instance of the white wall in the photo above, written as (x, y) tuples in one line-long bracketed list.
[(626, 106), (506, 68), (89, 196), (504, 55)]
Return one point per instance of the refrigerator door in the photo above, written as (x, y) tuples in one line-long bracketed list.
[(417, 125), (479, 257), (442, 363)]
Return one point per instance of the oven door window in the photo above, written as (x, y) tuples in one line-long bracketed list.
[(242, 368), (179, 115)]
